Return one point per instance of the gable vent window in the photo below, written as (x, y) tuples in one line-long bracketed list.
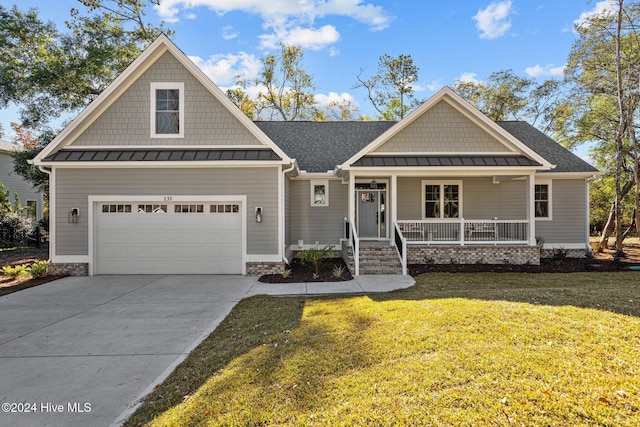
[(167, 110)]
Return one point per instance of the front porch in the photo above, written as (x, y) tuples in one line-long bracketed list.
[(424, 218)]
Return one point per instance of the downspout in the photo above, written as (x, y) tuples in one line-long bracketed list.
[(284, 226), (43, 169)]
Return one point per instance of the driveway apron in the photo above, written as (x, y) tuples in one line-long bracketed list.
[(79, 351)]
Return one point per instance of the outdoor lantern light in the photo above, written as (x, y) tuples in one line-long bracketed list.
[(258, 214), (373, 184), (74, 213)]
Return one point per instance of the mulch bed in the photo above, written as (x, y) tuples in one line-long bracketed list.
[(23, 256), (301, 273)]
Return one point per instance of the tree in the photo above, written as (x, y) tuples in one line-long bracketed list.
[(506, 96), (286, 88), (390, 90), (604, 69), (48, 72)]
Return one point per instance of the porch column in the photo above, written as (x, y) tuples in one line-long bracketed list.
[(352, 199), (394, 205), (531, 208)]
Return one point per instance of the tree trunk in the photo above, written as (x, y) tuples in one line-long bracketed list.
[(609, 227)]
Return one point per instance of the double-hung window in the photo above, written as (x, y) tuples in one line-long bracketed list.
[(542, 201), (167, 110), (319, 192), (441, 199)]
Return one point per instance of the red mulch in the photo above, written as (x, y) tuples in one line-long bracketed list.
[(301, 273)]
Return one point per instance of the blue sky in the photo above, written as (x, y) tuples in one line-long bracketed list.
[(461, 39)]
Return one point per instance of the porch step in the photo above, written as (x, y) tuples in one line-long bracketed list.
[(379, 260)]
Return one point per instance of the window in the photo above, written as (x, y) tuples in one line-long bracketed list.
[(32, 209), (320, 192), (442, 199), (224, 208), (152, 209), (189, 209), (167, 110), (113, 208), (542, 201)]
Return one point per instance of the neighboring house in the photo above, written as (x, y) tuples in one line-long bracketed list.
[(162, 173), (30, 199)]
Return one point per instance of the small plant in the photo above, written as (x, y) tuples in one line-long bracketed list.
[(315, 256), (506, 261), (15, 271), (559, 255), (452, 261), (480, 261), (338, 270), (38, 269), (428, 261), (286, 273), (316, 276)]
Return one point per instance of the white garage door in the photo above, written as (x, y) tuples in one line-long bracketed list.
[(168, 238)]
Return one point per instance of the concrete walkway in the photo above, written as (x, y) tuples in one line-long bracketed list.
[(82, 351)]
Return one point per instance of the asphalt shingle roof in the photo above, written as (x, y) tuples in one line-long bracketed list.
[(553, 152), (444, 161), (321, 146)]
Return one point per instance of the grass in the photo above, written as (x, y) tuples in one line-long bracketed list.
[(463, 349)]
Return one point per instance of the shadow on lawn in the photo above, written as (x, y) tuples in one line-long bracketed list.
[(616, 292)]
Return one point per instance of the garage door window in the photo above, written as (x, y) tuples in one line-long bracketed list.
[(113, 208), (189, 209), (224, 208), (152, 209)]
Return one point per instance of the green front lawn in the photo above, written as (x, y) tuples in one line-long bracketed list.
[(456, 349)]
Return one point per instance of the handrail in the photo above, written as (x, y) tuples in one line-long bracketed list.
[(356, 249), (462, 231), (401, 246)]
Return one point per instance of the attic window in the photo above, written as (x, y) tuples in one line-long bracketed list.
[(167, 110)]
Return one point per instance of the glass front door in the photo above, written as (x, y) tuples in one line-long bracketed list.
[(371, 213)]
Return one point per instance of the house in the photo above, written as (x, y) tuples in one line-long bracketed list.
[(162, 173), (30, 199)]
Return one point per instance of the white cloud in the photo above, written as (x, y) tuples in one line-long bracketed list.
[(493, 22), (308, 38), (435, 85), (225, 69), (229, 33), (288, 19), (602, 9), (468, 78), (191, 16), (333, 97), (545, 71)]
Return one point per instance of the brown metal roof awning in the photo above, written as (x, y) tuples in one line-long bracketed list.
[(444, 161), (159, 155)]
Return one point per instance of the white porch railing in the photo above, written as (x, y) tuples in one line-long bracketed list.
[(460, 231), (352, 236)]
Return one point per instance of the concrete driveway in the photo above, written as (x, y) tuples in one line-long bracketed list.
[(80, 351)]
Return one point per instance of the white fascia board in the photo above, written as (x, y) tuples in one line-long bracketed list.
[(456, 101), (316, 175), (570, 175)]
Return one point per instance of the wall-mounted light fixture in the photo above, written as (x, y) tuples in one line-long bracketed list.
[(373, 184), (258, 214), (74, 213)]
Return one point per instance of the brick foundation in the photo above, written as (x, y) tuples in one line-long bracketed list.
[(260, 268), (571, 253), (70, 269), (422, 254)]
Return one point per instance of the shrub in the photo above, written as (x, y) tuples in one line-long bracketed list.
[(559, 255), (315, 256), (15, 227), (286, 273), (15, 271), (38, 269)]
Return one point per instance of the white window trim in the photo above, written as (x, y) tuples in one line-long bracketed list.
[(166, 85), (315, 182), (550, 191), (441, 183)]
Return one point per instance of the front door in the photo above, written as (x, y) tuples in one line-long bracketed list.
[(371, 213)]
